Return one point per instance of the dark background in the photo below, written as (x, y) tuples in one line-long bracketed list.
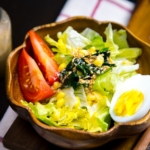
[(24, 15)]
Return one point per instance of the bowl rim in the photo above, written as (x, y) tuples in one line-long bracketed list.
[(31, 115)]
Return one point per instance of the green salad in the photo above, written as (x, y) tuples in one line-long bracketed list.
[(90, 70)]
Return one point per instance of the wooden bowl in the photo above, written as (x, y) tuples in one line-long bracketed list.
[(69, 138)]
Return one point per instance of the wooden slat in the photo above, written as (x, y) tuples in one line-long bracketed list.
[(139, 23), (143, 142)]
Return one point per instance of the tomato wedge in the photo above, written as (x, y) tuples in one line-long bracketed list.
[(33, 85), (43, 56)]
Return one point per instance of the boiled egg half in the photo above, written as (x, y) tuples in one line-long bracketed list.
[(131, 101)]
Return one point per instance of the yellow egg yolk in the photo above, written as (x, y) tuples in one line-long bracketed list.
[(128, 103)]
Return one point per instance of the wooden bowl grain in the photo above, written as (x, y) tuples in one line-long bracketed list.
[(69, 138)]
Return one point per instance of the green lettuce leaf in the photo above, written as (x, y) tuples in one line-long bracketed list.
[(68, 41), (110, 42), (99, 122), (96, 42), (79, 92), (60, 46), (129, 53), (103, 83), (75, 117), (62, 58), (120, 38), (69, 97), (89, 33)]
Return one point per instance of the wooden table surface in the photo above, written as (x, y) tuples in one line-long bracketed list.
[(21, 135)]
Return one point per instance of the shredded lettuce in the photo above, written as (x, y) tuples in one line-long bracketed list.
[(60, 46), (62, 58), (69, 97), (120, 38), (89, 33), (129, 53), (68, 41), (99, 122), (76, 40), (96, 42), (80, 92), (76, 118), (104, 83), (110, 41)]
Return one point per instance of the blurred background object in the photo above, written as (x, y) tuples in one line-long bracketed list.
[(5, 40), (140, 17), (26, 14)]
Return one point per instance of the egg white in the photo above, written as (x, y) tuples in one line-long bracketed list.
[(138, 82)]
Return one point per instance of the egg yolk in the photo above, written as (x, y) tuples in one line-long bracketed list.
[(128, 103)]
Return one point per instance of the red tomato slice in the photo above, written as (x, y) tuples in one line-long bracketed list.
[(33, 85), (43, 57)]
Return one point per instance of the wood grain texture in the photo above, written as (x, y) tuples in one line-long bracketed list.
[(143, 141), (139, 23), (22, 136)]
